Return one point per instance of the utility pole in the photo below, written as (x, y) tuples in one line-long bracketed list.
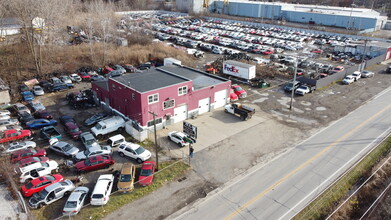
[(363, 55), (293, 84), (154, 131)]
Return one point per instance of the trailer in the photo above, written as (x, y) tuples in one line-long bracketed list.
[(238, 69), (245, 112)]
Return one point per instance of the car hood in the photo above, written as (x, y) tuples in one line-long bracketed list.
[(145, 155), (31, 143), (80, 156), (73, 151), (122, 185), (79, 165), (144, 180), (41, 152)]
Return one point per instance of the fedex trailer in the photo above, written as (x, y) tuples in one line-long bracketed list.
[(238, 69)]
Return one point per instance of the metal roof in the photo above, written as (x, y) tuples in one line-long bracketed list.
[(199, 78), (149, 80), (237, 63), (102, 84)]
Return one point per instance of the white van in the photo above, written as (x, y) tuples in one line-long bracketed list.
[(116, 140), (108, 125), (102, 190)]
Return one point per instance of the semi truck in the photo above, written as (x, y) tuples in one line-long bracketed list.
[(243, 111), (238, 69)]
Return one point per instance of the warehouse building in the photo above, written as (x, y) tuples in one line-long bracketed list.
[(351, 18), (172, 92)]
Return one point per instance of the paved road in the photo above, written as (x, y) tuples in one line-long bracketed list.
[(284, 186)]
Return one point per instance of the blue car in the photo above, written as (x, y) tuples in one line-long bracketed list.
[(40, 123), (27, 96)]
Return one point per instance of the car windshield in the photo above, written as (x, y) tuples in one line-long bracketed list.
[(51, 178), (146, 172), (98, 126), (140, 150), (75, 130), (29, 185), (87, 162), (71, 204), (90, 142), (41, 195), (238, 89), (86, 152), (125, 178), (67, 147)]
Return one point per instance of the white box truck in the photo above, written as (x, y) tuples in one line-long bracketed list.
[(108, 125), (239, 69)]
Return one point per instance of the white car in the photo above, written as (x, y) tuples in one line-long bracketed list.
[(20, 145), (348, 79), (75, 201), (180, 138), (93, 151), (303, 89), (11, 121), (37, 90), (367, 74), (9, 127), (217, 51), (4, 117), (36, 170), (134, 151), (51, 194), (66, 79), (356, 75), (37, 105), (102, 190), (75, 78), (5, 112)]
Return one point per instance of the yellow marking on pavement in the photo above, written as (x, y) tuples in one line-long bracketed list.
[(270, 188)]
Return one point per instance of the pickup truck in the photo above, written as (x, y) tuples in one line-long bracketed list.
[(304, 89), (50, 132), (245, 112), (13, 134)]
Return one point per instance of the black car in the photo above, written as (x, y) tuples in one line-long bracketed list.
[(45, 84), (95, 118), (388, 69), (23, 88), (43, 114), (25, 117)]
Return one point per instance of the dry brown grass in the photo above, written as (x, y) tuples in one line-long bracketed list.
[(15, 64)]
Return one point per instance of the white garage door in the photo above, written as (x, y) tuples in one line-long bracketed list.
[(203, 105), (220, 98), (180, 113)]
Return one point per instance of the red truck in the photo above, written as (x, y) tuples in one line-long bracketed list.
[(12, 135)]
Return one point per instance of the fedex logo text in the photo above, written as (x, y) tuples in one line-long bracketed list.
[(231, 68)]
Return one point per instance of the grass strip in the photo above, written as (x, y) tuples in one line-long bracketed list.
[(174, 169), (328, 201)]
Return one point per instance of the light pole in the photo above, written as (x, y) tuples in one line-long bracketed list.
[(293, 84)]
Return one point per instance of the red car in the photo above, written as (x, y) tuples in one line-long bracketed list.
[(239, 91), (38, 184), (85, 76), (31, 160), (43, 114), (107, 70), (146, 173), (268, 52), (316, 51), (12, 135), (73, 130), (95, 163), (232, 96), (26, 153)]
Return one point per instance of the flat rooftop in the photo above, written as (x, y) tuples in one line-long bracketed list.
[(200, 79), (149, 80)]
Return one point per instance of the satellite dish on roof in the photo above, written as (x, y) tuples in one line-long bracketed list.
[(38, 23)]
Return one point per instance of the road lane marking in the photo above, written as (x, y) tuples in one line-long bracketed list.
[(270, 188)]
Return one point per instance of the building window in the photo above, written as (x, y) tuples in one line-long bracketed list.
[(158, 121), (182, 90), (133, 96), (168, 104), (153, 98)]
